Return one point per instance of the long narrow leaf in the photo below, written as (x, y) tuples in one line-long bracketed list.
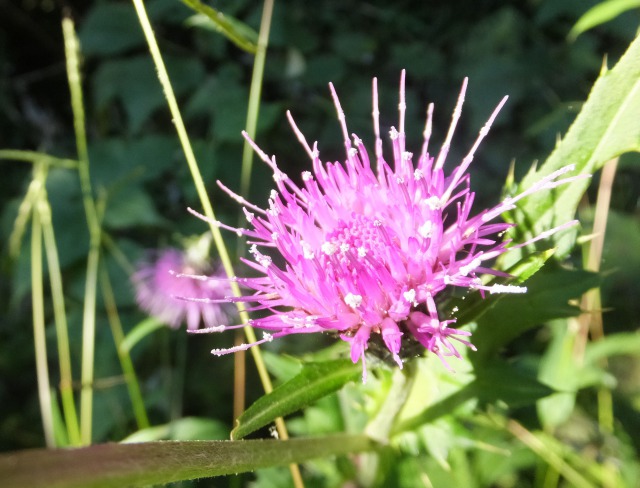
[(315, 381), (237, 32), (117, 465)]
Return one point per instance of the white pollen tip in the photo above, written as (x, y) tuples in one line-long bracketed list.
[(329, 248), (507, 289), (352, 300)]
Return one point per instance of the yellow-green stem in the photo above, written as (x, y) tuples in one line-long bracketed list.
[(198, 182), (72, 53), (163, 77), (245, 179), (39, 339), (60, 317), (254, 95), (126, 363)]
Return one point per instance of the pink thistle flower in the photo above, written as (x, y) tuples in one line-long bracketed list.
[(166, 277), (367, 249)]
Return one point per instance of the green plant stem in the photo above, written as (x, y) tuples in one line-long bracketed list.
[(253, 112), (552, 458), (254, 95), (142, 420), (163, 76), (39, 338), (37, 157), (60, 316), (72, 50)]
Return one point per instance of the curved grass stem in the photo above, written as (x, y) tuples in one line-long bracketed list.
[(163, 77)]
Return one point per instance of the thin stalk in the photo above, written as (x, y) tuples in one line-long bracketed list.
[(255, 91), (163, 77), (591, 321), (553, 459), (39, 338), (72, 50), (60, 318), (142, 420), (254, 95), (199, 184), (379, 428)]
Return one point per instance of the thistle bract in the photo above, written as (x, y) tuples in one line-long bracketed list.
[(368, 246)]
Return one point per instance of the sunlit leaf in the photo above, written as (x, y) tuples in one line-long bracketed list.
[(607, 126), (315, 381)]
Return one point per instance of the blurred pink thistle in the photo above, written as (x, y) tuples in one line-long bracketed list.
[(166, 277)]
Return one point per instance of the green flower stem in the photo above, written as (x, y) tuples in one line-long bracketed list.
[(253, 111), (379, 428), (39, 339), (60, 317), (254, 95), (163, 76), (126, 363), (72, 50)]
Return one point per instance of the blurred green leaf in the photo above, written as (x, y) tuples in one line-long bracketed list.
[(137, 209), (315, 381), (110, 28), (237, 32), (281, 366), (601, 13), (607, 126), (613, 345), (133, 82), (184, 429), (139, 332)]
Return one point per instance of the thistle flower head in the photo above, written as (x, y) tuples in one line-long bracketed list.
[(171, 286), (367, 247)]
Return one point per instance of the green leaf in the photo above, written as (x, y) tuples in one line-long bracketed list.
[(237, 32), (135, 210), (472, 307), (110, 28), (601, 13), (133, 82), (548, 295), (117, 465), (315, 381), (614, 345), (184, 429), (139, 332), (501, 381), (607, 126)]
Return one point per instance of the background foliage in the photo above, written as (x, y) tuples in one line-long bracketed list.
[(505, 47)]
